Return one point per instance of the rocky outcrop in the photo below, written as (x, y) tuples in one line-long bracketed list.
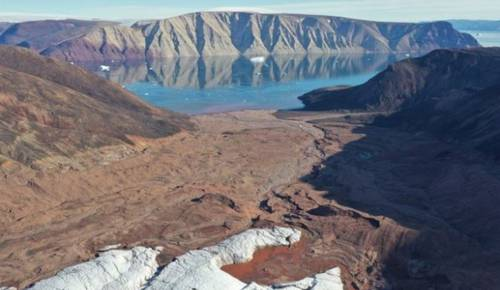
[(40, 35), (103, 43), (200, 269), (52, 108), (452, 93), (240, 33)]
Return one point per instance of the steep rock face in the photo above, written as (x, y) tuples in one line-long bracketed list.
[(236, 33), (39, 35), (451, 93), (49, 107), (102, 43)]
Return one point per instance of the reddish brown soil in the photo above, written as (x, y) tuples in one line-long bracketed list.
[(279, 264)]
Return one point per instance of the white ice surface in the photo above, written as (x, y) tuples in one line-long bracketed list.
[(201, 269), (116, 269), (137, 269), (105, 68)]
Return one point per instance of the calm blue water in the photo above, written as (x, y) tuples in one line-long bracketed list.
[(217, 84), (266, 95), (486, 38)]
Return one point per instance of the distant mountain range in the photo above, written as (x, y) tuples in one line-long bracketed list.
[(39, 35), (481, 25), (230, 33), (52, 108), (454, 94)]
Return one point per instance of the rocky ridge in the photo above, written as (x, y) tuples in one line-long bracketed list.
[(39, 35), (451, 93), (51, 108)]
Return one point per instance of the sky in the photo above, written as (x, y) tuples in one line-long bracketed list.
[(382, 10)]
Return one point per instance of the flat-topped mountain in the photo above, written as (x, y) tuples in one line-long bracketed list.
[(50, 107), (241, 33), (452, 93), (40, 35)]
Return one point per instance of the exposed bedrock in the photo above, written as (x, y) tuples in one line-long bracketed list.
[(241, 33)]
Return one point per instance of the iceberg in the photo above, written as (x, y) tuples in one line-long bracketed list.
[(258, 59)]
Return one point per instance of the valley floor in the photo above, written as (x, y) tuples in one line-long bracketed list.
[(382, 205)]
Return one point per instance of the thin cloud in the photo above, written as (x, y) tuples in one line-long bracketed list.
[(243, 9), (381, 10), (22, 16)]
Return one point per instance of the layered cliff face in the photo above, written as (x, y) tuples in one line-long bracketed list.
[(40, 35), (451, 93), (237, 33), (51, 108), (104, 43)]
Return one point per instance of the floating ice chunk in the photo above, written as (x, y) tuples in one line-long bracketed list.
[(105, 67), (258, 59), (116, 269)]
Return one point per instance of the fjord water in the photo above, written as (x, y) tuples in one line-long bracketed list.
[(218, 84), (486, 38)]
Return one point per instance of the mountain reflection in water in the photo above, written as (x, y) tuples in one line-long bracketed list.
[(216, 84)]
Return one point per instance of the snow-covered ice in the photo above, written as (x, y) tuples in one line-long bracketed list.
[(201, 269), (116, 269), (137, 269)]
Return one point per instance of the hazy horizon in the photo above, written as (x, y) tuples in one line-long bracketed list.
[(379, 10)]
